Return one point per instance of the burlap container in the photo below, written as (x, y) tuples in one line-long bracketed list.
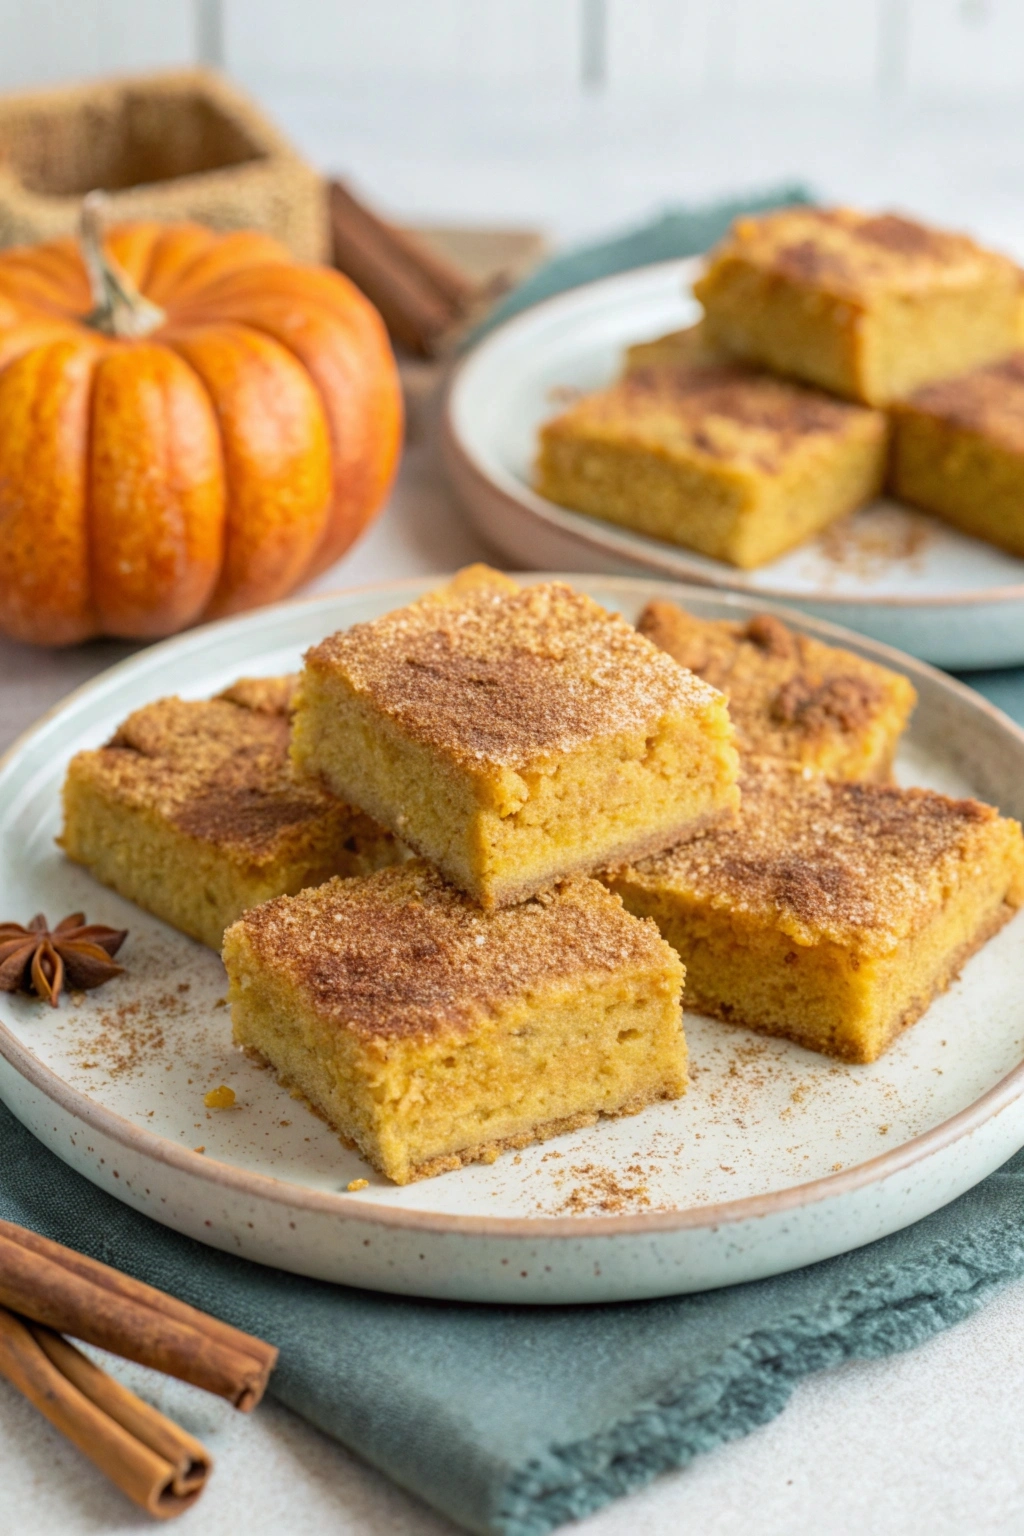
[(180, 144)]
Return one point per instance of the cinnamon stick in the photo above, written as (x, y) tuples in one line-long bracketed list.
[(151, 1459), (73, 1294), (452, 284), (420, 296)]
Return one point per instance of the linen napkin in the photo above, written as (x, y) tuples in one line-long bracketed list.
[(512, 1420)]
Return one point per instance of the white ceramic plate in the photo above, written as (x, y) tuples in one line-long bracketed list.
[(776, 1157), (889, 572)]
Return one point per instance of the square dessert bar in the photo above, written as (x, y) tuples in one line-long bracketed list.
[(958, 451), (192, 810), (690, 345), (715, 456), (430, 1033), (791, 696), (513, 737), (831, 913), (870, 307)]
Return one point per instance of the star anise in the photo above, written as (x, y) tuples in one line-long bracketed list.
[(40, 959)]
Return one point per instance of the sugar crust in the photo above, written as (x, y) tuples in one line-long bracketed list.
[(723, 412), (856, 256), (492, 677), (217, 769), (858, 864), (403, 953), (989, 401), (787, 691)]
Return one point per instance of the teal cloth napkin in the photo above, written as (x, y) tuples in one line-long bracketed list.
[(675, 233), (512, 1420)]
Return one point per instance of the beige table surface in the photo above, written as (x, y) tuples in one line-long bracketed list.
[(926, 1443)]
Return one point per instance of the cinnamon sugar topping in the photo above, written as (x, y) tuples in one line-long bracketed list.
[(989, 401), (852, 254), (401, 952), (217, 769), (780, 684), (725, 411), (263, 695), (855, 863), (497, 677)]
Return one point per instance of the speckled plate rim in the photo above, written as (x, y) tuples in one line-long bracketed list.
[(149, 1145), (470, 469)]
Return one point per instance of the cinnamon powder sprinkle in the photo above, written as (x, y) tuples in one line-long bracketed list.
[(853, 255), (864, 546), (218, 769), (855, 863), (497, 677), (989, 401), (127, 1036), (606, 1190), (402, 952), (784, 688)]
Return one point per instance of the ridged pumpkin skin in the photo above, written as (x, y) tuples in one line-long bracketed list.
[(210, 466)]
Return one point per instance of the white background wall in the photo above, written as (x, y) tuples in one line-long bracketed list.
[(582, 114), (917, 48)]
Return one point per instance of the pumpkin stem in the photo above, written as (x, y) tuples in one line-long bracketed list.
[(119, 307)]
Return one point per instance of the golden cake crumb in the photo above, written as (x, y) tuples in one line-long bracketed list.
[(431, 1033), (220, 1098)]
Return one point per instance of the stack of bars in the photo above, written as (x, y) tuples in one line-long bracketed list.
[(839, 354), (557, 813)]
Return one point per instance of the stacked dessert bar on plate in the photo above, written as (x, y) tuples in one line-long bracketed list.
[(839, 353), (560, 813)]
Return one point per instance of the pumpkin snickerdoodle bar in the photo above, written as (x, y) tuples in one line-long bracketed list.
[(870, 306), (792, 696), (192, 810), (514, 737), (831, 913), (713, 455), (958, 451), (430, 1033)]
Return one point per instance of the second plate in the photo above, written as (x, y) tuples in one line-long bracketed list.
[(890, 572)]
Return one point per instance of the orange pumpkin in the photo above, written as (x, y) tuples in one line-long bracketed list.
[(190, 424)]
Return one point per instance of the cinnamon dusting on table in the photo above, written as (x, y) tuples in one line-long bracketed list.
[(607, 1190), (128, 1034), (865, 546)]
